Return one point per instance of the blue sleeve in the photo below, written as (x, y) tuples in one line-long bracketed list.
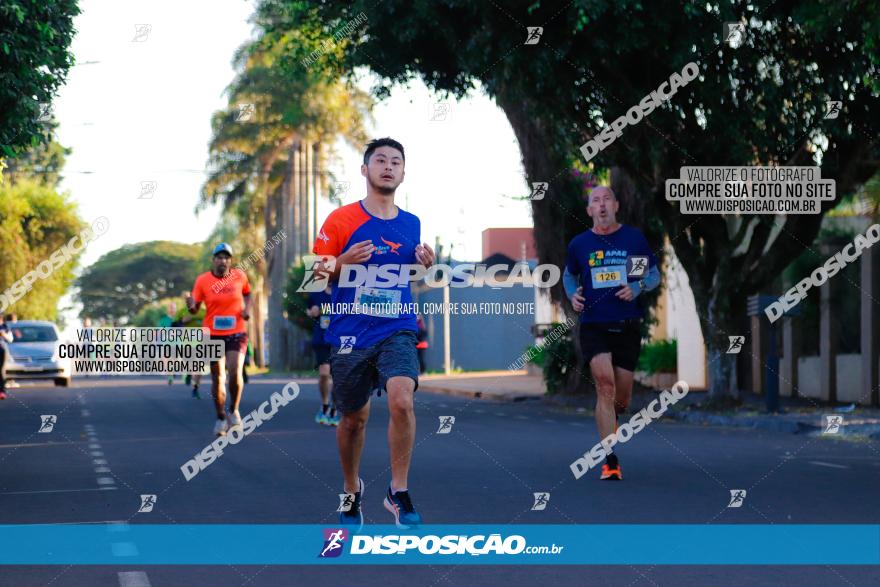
[(570, 282), (652, 277), (651, 280), (572, 265)]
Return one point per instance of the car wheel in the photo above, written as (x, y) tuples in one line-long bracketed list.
[(62, 382)]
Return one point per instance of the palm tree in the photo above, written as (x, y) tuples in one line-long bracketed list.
[(279, 113)]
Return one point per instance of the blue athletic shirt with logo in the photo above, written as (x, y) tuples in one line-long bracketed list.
[(603, 263), (395, 241)]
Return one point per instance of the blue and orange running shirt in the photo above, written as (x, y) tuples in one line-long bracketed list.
[(603, 263), (395, 241)]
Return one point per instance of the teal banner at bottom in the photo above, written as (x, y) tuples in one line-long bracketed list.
[(268, 544)]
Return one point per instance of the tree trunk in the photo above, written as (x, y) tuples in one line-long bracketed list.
[(562, 213), (259, 318), (277, 261), (722, 376), (719, 321)]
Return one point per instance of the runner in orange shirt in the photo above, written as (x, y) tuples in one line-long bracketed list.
[(227, 297)]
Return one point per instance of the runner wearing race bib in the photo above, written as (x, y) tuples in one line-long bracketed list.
[(186, 320), (375, 349), (226, 295), (327, 414), (607, 268)]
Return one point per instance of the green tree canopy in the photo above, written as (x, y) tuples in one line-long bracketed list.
[(123, 281), (35, 38), (35, 222)]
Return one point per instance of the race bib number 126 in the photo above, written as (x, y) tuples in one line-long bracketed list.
[(610, 276)]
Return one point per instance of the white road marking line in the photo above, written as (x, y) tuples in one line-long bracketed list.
[(133, 579), (824, 464), (96, 453), (85, 413), (106, 481), (94, 446), (521, 417), (102, 469), (54, 491), (575, 423), (99, 461)]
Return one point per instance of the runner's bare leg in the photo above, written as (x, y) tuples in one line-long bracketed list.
[(603, 375), (401, 428), (218, 387), (234, 365), (324, 382), (623, 386), (350, 436)]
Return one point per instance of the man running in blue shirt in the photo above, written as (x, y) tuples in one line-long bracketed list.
[(607, 268), (375, 348)]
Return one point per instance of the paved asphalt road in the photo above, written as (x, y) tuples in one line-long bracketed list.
[(484, 471)]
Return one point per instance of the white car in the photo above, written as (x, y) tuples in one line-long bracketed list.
[(33, 353)]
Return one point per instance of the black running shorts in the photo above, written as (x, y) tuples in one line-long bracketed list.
[(622, 339), (232, 342), (322, 354)]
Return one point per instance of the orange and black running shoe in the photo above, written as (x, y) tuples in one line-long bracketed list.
[(611, 474)]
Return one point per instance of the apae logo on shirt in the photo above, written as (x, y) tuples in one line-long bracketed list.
[(609, 257)]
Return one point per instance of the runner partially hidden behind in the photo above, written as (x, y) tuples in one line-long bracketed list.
[(226, 295), (375, 349), (606, 270), (187, 320), (327, 414), (167, 321)]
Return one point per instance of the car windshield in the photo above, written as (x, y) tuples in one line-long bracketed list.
[(32, 333)]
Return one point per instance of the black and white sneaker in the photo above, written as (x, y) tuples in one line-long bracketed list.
[(354, 516)]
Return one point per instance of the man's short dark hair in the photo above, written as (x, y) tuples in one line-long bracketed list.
[(383, 142)]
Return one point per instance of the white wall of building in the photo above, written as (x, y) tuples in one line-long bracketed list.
[(683, 325)]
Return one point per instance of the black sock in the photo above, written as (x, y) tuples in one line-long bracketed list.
[(324, 408), (196, 387), (611, 461)]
